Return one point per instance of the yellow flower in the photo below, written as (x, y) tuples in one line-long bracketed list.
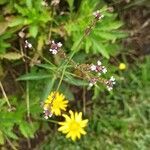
[(73, 125), (122, 66), (54, 104)]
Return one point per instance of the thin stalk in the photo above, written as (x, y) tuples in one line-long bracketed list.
[(50, 29), (49, 120), (10, 143), (84, 101), (4, 94), (27, 99), (27, 89), (70, 57)]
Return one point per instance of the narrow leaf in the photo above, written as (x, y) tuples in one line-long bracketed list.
[(11, 56), (31, 76)]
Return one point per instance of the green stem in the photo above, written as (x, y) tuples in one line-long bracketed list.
[(49, 120), (68, 60), (27, 99)]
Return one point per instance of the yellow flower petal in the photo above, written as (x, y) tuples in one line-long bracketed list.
[(72, 115), (73, 125), (55, 103), (78, 117), (84, 123), (66, 117)]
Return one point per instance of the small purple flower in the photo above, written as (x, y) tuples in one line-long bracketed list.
[(27, 44), (93, 67), (93, 81), (109, 88), (104, 69), (98, 68), (99, 63), (98, 15), (55, 47), (110, 83), (47, 113)]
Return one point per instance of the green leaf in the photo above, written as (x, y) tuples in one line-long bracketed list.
[(70, 2), (47, 66), (33, 76), (27, 129), (2, 140), (40, 45), (71, 80), (48, 88), (10, 134), (3, 27), (33, 30), (3, 2), (16, 21), (11, 56), (76, 45), (29, 3), (21, 10), (100, 48), (88, 45), (107, 36), (109, 25)]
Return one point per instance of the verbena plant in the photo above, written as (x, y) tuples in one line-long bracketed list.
[(40, 25)]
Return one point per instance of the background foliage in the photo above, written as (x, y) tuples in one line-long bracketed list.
[(117, 120)]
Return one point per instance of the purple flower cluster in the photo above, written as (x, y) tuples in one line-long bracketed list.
[(110, 83), (98, 68), (55, 47), (47, 113)]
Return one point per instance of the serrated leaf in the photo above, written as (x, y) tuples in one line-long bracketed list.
[(21, 10), (10, 134), (27, 129), (100, 48), (109, 26), (33, 30), (16, 21), (76, 46), (107, 36), (11, 56)]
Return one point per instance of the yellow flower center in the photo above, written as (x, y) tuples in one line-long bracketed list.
[(74, 126), (56, 104)]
